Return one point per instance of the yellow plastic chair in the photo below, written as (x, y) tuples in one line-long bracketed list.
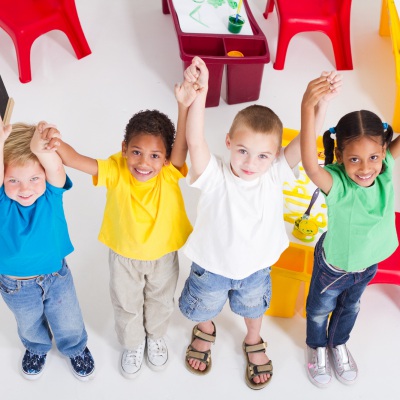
[(390, 23)]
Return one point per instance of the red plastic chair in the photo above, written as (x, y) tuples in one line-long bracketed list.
[(331, 17), (26, 20), (389, 269)]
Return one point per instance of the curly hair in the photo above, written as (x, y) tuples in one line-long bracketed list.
[(17, 147), (151, 122)]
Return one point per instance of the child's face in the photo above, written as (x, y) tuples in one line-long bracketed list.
[(25, 183), (362, 160), (145, 155), (251, 153)]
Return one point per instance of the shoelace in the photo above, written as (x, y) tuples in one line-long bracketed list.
[(157, 347), (134, 357)]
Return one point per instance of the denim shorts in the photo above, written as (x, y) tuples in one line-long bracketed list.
[(205, 294)]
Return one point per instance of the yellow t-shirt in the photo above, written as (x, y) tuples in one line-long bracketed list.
[(142, 220)]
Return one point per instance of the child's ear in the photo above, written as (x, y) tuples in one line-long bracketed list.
[(338, 155), (166, 162), (123, 148), (228, 141)]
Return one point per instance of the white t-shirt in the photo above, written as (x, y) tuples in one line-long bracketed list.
[(239, 227)]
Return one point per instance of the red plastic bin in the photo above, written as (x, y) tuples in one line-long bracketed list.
[(243, 74)]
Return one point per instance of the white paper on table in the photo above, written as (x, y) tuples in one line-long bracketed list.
[(200, 16)]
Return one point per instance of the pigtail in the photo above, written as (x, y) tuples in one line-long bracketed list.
[(329, 145), (387, 134)]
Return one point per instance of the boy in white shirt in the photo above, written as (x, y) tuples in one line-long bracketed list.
[(239, 231)]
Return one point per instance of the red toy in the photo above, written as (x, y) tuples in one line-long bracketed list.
[(331, 17), (26, 20), (389, 269)]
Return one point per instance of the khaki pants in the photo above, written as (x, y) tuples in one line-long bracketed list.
[(142, 294)]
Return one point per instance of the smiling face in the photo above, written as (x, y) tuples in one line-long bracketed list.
[(362, 159), (24, 183), (252, 153), (145, 155)]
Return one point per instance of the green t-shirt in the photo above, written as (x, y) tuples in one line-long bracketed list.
[(361, 220)]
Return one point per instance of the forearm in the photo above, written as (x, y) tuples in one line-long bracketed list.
[(180, 148), (320, 113), (53, 167), (1, 164), (71, 158), (198, 148), (308, 143)]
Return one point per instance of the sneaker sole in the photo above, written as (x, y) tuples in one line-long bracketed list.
[(316, 383), (156, 368), (80, 377), (31, 377)]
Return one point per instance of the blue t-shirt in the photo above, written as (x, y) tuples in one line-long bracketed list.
[(34, 239)]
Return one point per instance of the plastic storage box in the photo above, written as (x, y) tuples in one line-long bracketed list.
[(243, 74)]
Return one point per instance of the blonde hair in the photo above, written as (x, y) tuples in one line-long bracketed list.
[(17, 147), (260, 119)]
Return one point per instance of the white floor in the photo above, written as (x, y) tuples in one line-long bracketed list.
[(134, 65)]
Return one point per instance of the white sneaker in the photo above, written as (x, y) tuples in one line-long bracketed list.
[(318, 367), (157, 354), (131, 361), (344, 365)]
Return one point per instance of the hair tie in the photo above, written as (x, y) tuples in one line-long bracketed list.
[(333, 133), (385, 125)]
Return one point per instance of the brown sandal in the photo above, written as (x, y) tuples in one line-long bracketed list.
[(253, 370), (203, 356)]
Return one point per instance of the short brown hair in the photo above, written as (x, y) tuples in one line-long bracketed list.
[(17, 147), (260, 119)]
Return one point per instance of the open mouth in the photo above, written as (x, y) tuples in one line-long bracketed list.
[(140, 172)]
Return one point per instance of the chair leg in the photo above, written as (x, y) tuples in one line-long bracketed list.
[(396, 115), (73, 30), (165, 8), (268, 8), (284, 38), (342, 50), (23, 52)]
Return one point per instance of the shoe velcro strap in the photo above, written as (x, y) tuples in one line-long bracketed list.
[(202, 356), (256, 370), (256, 348), (203, 336)]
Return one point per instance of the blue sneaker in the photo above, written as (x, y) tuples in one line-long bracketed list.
[(33, 365), (83, 365)]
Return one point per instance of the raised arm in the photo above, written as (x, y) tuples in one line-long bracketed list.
[(185, 93), (49, 159), (70, 157), (5, 131), (333, 83), (394, 147), (316, 89), (198, 148)]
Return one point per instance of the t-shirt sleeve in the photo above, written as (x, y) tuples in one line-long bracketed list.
[(282, 171), (107, 173), (58, 190), (207, 180)]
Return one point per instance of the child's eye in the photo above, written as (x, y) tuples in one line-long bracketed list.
[(135, 152), (12, 180), (353, 160), (374, 158), (35, 178), (155, 156), (263, 156), (242, 151)]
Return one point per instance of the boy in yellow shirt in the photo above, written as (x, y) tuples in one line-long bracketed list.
[(144, 225)]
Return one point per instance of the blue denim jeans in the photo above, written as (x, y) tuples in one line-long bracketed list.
[(205, 294), (44, 306), (333, 291)]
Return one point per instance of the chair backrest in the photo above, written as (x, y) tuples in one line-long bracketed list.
[(394, 24)]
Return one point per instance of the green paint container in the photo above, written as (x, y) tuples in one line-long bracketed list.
[(235, 25)]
